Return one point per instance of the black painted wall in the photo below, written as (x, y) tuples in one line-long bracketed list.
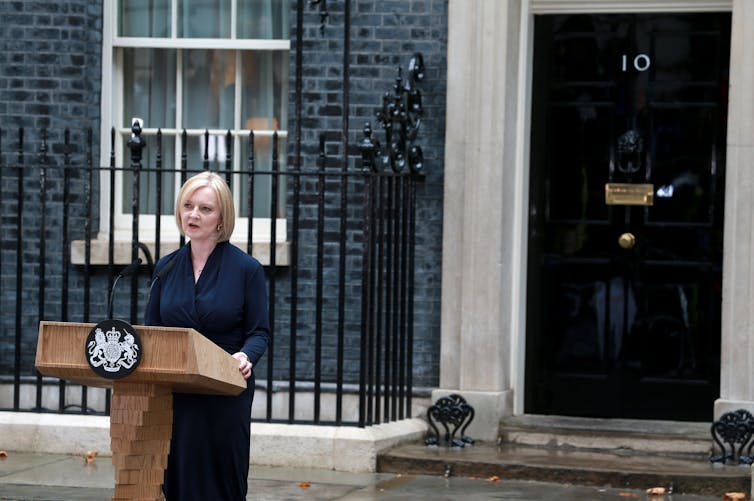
[(50, 74)]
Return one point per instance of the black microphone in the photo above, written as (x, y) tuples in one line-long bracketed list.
[(128, 270)]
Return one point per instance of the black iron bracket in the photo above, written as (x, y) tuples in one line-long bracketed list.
[(734, 430), (455, 415)]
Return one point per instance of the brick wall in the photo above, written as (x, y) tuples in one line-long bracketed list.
[(51, 77), (51, 64), (383, 36)]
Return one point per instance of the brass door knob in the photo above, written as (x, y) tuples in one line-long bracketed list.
[(627, 240)]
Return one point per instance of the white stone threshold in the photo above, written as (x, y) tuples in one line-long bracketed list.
[(340, 448)]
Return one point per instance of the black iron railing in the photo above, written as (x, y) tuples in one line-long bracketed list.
[(341, 304)]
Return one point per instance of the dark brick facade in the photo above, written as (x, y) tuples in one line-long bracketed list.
[(51, 62), (50, 79), (383, 37), (50, 74)]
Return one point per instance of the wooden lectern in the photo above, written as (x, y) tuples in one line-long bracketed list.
[(141, 411)]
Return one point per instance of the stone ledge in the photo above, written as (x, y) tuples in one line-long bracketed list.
[(54, 433), (122, 251), (341, 448)]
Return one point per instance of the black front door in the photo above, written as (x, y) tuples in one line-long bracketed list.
[(626, 215)]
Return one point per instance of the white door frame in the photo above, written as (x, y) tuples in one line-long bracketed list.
[(485, 203), (526, 53)]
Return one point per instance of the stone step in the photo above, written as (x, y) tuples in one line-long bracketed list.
[(620, 469), (635, 454), (666, 438)]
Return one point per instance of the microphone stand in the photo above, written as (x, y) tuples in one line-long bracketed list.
[(128, 270)]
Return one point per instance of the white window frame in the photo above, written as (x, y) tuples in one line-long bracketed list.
[(112, 113)]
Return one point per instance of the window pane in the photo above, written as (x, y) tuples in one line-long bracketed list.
[(144, 18), (148, 177), (204, 19), (149, 94), (149, 87), (208, 89), (215, 147), (262, 182), (265, 90), (265, 19), (208, 82)]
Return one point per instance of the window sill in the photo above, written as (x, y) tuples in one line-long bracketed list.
[(122, 251)]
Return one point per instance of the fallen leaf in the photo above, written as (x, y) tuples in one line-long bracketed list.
[(656, 491), (3, 454), (304, 485), (493, 478), (628, 495), (734, 496)]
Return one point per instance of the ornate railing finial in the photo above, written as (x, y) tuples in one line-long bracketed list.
[(136, 143), (400, 116)]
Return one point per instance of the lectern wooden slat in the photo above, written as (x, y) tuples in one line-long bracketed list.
[(141, 410)]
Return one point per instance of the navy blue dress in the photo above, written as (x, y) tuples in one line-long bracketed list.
[(209, 449)]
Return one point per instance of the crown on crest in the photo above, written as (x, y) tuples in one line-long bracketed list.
[(113, 336)]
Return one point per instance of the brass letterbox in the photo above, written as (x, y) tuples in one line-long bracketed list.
[(629, 194)]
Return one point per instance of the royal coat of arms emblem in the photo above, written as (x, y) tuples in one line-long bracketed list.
[(113, 349)]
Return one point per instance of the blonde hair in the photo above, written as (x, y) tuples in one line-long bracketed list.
[(224, 199)]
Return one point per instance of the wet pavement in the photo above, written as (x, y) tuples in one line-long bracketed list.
[(26, 476)]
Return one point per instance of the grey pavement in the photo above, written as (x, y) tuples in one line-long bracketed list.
[(27, 476)]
